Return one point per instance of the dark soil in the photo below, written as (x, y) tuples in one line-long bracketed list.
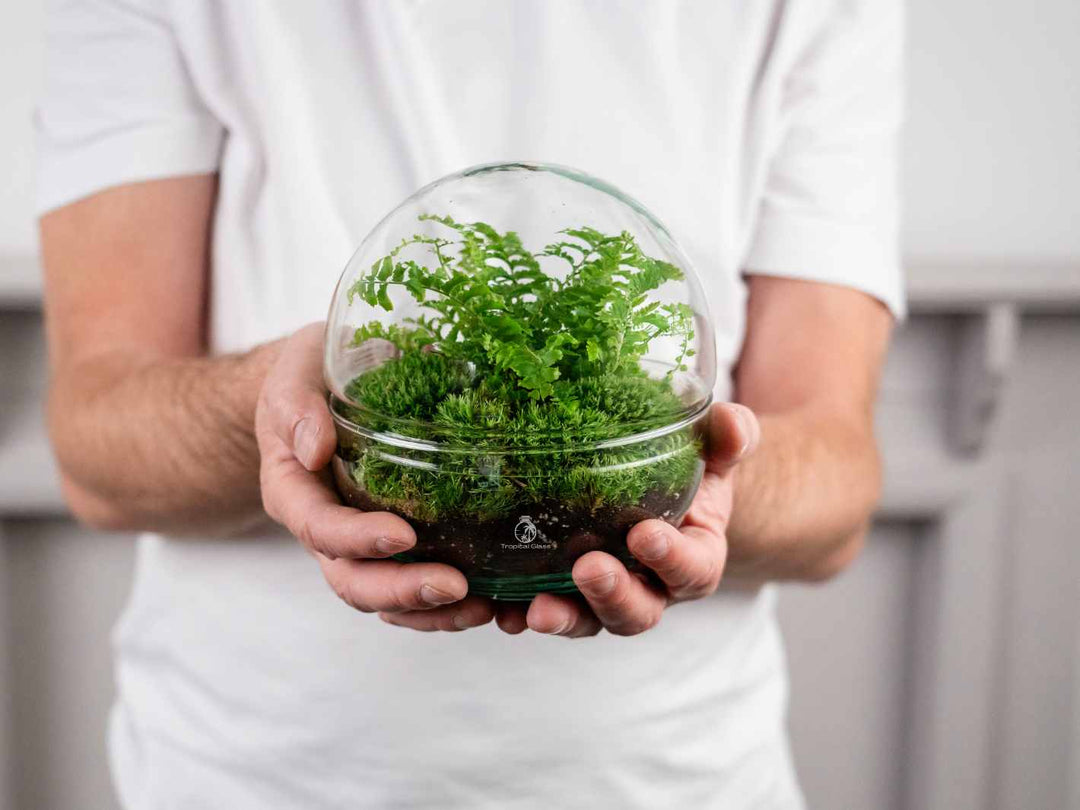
[(542, 538)]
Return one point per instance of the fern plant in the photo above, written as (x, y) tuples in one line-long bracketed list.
[(508, 360)]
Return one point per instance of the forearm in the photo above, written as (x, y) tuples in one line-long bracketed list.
[(166, 444), (804, 499)]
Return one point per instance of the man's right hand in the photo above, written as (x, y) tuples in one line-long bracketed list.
[(296, 438)]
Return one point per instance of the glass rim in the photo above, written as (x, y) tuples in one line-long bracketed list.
[(642, 431)]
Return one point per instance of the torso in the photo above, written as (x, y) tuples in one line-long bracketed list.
[(237, 665)]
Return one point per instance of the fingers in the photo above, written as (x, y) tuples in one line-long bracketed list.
[(510, 617), (308, 508), (294, 399), (732, 433), (562, 616), (296, 441), (296, 435), (387, 586), (623, 603), (473, 611), (690, 562)]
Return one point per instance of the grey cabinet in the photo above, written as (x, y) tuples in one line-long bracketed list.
[(940, 670)]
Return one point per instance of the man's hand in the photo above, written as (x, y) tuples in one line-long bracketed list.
[(296, 438), (689, 560)]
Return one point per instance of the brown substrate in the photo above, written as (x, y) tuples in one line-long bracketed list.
[(541, 538)]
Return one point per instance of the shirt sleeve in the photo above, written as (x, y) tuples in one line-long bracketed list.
[(118, 103), (830, 207)]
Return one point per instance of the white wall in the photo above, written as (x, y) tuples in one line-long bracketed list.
[(993, 141), (20, 77)]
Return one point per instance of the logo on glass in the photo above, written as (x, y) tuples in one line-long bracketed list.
[(525, 531)]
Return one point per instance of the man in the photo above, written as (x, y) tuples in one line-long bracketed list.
[(207, 168)]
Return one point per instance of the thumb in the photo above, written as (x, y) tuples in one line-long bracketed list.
[(732, 434), (294, 397)]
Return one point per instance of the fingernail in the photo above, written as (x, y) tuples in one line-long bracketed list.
[(747, 427), (599, 586), (654, 546), (305, 435), (433, 596), (562, 628), (459, 621), (391, 545)]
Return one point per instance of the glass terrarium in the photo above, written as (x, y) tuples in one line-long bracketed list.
[(518, 357)]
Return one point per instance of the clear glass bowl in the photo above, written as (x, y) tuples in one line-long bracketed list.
[(518, 358)]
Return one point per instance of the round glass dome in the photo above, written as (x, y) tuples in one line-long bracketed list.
[(518, 356)]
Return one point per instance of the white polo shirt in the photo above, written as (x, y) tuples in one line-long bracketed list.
[(762, 133)]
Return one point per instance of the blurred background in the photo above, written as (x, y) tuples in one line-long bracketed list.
[(943, 669)]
